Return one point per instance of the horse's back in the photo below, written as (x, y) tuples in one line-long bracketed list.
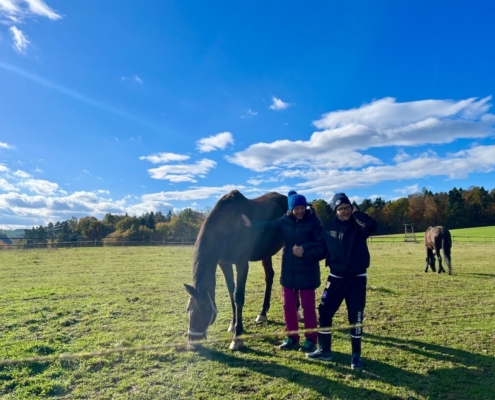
[(224, 228)]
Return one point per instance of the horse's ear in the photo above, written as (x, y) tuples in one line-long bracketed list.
[(189, 289)]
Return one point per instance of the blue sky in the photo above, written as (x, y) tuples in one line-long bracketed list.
[(159, 105)]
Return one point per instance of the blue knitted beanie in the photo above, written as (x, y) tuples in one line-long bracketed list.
[(338, 199), (295, 200)]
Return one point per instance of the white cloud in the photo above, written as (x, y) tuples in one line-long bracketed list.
[(160, 158), (214, 142), (182, 172), (408, 189), (6, 186), (383, 123), (195, 193), (39, 186), (5, 145), (21, 42), (401, 156), (454, 166), (278, 104), (22, 174)]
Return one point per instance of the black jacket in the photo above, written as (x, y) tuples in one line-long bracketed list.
[(348, 253), (299, 272)]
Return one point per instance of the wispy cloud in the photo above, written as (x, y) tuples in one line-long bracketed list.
[(21, 9), (21, 42), (5, 145), (249, 114), (278, 104), (183, 172), (215, 142), (15, 12), (134, 78), (160, 158)]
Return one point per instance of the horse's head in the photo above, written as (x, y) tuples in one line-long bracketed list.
[(202, 313)]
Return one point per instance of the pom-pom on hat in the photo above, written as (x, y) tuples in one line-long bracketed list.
[(295, 200), (338, 199)]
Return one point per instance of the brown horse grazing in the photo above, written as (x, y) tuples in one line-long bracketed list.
[(436, 238), (224, 240)]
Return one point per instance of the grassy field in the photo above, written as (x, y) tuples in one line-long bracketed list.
[(423, 339)]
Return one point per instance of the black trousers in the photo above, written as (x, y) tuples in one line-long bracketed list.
[(350, 289)]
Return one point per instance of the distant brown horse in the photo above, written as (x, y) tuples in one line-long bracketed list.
[(436, 238), (224, 240)]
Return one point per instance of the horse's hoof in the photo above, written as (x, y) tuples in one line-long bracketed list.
[(236, 345), (231, 327), (261, 318)]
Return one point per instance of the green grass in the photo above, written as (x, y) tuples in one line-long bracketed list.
[(70, 301)]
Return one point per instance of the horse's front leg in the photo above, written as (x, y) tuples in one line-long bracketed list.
[(269, 275), (440, 266), (239, 294), (430, 260), (228, 273)]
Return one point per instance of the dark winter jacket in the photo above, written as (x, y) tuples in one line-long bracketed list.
[(299, 272), (348, 253)]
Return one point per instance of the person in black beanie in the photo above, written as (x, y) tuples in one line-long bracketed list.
[(348, 258)]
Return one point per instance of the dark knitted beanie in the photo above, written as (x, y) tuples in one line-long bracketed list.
[(338, 199)]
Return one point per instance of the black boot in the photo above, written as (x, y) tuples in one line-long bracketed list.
[(356, 361), (324, 351)]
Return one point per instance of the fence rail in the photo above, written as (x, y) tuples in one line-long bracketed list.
[(21, 243), (419, 239)]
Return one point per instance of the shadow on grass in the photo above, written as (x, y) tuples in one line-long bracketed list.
[(272, 368), (469, 375), (480, 275), (465, 375)]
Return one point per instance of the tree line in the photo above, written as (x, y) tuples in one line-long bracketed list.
[(458, 208)]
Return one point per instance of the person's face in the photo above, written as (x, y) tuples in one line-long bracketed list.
[(299, 211), (344, 212)]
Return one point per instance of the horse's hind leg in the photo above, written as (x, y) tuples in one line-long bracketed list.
[(228, 273), (269, 275), (440, 266)]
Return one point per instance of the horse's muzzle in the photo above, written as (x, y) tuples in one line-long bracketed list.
[(194, 342)]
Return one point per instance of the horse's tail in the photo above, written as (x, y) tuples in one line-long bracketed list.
[(446, 245)]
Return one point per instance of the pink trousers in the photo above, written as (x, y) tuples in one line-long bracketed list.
[(309, 309)]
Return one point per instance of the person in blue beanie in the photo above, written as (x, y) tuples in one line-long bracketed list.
[(348, 258), (303, 249)]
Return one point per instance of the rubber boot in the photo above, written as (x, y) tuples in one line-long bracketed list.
[(356, 361), (324, 350)]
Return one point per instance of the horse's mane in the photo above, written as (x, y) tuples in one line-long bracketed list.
[(223, 235), (224, 217)]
